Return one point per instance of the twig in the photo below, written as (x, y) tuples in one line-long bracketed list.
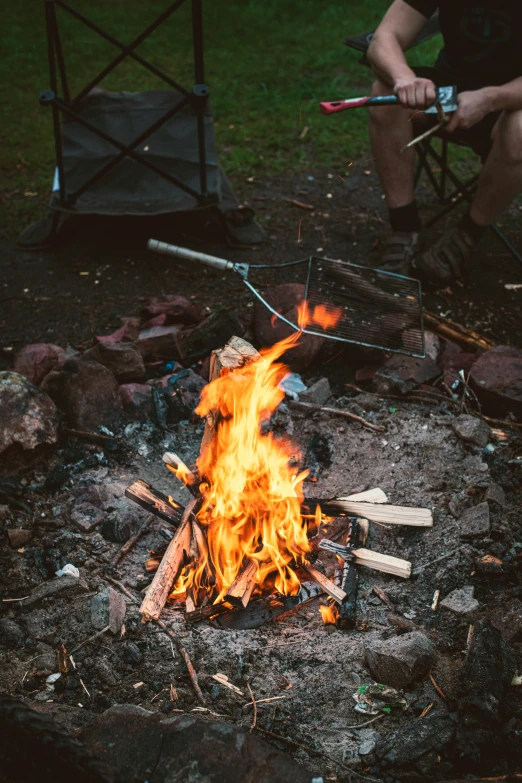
[(84, 688), (421, 568), (94, 437), (441, 694), (296, 203), (425, 134), (383, 597), (90, 639), (10, 600), (127, 546), (503, 422), (184, 654), (316, 753), (426, 710), (366, 723), (338, 412), (254, 705)]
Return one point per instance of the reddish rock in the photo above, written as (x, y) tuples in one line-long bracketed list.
[(137, 399), (36, 360), (188, 387), (122, 359), (452, 360), (496, 378), (87, 393), (285, 299), (158, 320), (127, 332), (28, 417), (18, 537), (159, 343), (178, 309), (364, 374), (213, 332), (204, 370), (86, 517), (401, 374)]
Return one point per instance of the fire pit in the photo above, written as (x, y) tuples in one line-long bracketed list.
[(246, 547)]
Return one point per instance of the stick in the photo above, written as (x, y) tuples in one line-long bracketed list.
[(337, 412), (132, 541), (240, 590), (381, 595), (254, 719), (296, 203), (154, 502), (94, 437), (169, 568), (326, 584), (424, 135), (184, 654), (466, 338), (204, 612), (366, 723), (441, 694), (90, 639), (182, 471), (358, 532)]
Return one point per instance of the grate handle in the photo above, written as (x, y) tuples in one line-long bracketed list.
[(191, 255)]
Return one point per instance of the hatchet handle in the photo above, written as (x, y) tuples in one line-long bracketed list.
[(330, 107)]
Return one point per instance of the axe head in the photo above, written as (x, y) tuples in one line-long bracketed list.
[(447, 97)]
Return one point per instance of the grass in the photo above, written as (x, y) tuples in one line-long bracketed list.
[(268, 64)]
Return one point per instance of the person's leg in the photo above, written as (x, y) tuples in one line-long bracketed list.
[(501, 176), (390, 130), (500, 181)]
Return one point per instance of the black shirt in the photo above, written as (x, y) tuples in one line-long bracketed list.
[(482, 38)]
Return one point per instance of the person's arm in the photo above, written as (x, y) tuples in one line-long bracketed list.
[(473, 105), (398, 29)]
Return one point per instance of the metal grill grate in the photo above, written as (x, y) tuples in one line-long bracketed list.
[(380, 309)]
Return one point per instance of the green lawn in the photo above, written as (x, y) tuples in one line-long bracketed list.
[(268, 64)]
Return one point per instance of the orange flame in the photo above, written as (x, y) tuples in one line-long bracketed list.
[(329, 614), (323, 315), (252, 491)]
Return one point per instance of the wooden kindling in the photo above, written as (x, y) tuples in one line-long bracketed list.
[(170, 567), (327, 585), (153, 501), (186, 475), (376, 512), (241, 589)]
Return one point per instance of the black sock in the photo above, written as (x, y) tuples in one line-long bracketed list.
[(405, 218), (471, 228)]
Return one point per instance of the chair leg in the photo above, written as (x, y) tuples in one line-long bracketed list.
[(503, 238)]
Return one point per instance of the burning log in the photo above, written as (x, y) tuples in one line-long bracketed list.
[(357, 536), (264, 610), (182, 471), (376, 512), (241, 589), (366, 557), (154, 502), (169, 569), (205, 612)]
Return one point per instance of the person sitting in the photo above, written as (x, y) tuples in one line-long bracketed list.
[(482, 56)]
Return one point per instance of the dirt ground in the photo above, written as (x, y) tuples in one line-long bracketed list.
[(417, 461)]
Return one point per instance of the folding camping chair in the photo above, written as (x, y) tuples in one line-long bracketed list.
[(451, 190), (133, 153)]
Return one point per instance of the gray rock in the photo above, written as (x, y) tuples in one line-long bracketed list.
[(102, 669), (461, 601), (108, 609), (401, 374), (123, 360), (318, 393), (400, 660), (474, 522), (46, 657), (414, 740), (368, 739), (472, 430), (147, 746), (29, 417), (495, 495), (11, 635), (86, 516), (131, 652)]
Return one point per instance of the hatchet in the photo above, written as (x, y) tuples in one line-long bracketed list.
[(446, 99)]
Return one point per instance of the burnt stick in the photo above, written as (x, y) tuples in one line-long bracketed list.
[(357, 534), (154, 502)]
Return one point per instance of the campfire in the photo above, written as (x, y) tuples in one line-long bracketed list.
[(249, 533)]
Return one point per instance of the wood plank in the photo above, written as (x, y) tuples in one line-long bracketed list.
[(153, 501), (391, 515), (326, 584), (240, 590), (169, 569), (369, 496)]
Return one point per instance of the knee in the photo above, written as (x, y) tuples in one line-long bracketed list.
[(508, 136)]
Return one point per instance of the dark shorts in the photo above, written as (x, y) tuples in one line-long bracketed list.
[(479, 136)]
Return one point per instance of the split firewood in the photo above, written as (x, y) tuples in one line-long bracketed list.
[(241, 589), (376, 512), (189, 600), (236, 354), (155, 502), (357, 535), (170, 567), (375, 495), (464, 337), (366, 557), (183, 472), (326, 584)]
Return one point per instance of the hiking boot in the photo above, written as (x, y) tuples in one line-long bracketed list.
[(447, 260), (398, 251)]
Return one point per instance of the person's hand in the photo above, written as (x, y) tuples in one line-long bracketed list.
[(414, 92), (472, 107)]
